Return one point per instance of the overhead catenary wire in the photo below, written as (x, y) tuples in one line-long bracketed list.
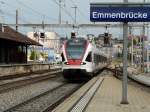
[(65, 10), (80, 12), (22, 19), (7, 4), (62, 29), (35, 11), (8, 14)]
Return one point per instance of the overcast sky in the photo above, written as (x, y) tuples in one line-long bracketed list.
[(34, 11)]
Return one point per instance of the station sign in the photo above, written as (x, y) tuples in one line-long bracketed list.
[(120, 14)]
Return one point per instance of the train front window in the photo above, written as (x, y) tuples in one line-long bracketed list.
[(75, 49)]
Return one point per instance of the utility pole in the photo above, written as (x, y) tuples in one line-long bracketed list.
[(140, 52), (143, 45), (43, 25), (75, 8), (147, 49), (17, 20), (60, 1), (130, 32), (125, 61)]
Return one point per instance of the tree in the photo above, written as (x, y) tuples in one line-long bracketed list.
[(33, 55), (134, 42)]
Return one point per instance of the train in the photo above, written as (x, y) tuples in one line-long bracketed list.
[(81, 58)]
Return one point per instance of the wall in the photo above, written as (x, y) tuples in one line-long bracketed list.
[(6, 70), (12, 52)]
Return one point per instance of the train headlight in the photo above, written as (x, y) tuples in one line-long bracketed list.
[(66, 63), (83, 63)]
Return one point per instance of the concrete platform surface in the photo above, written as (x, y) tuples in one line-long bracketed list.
[(108, 98)]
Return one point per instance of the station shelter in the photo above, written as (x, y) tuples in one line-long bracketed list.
[(13, 46)]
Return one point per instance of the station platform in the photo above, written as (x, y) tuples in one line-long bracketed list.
[(143, 78), (137, 75), (107, 98)]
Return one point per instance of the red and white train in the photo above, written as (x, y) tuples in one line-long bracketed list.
[(81, 59)]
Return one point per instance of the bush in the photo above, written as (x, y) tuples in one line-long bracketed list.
[(33, 55)]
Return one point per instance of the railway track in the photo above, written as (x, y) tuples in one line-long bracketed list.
[(47, 100), (7, 85)]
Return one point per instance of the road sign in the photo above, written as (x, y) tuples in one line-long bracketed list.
[(118, 13)]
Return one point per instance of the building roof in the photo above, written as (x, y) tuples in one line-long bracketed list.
[(8, 33)]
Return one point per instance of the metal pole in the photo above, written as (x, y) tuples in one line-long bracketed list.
[(125, 62), (140, 53), (75, 8), (147, 50), (130, 32), (132, 52), (147, 59), (17, 20), (59, 11), (43, 25), (75, 14), (143, 48)]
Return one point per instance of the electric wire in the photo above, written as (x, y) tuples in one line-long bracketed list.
[(22, 19), (65, 10), (81, 14), (79, 10), (35, 11), (8, 14)]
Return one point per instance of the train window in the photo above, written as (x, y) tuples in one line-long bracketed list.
[(89, 57), (98, 58), (75, 48), (63, 58)]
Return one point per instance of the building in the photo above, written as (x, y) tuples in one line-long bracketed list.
[(51, 45), (138, 55), (104, 40), (147, 63), (13, 46)]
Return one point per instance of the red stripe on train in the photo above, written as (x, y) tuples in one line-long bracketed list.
[(74, 62)]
